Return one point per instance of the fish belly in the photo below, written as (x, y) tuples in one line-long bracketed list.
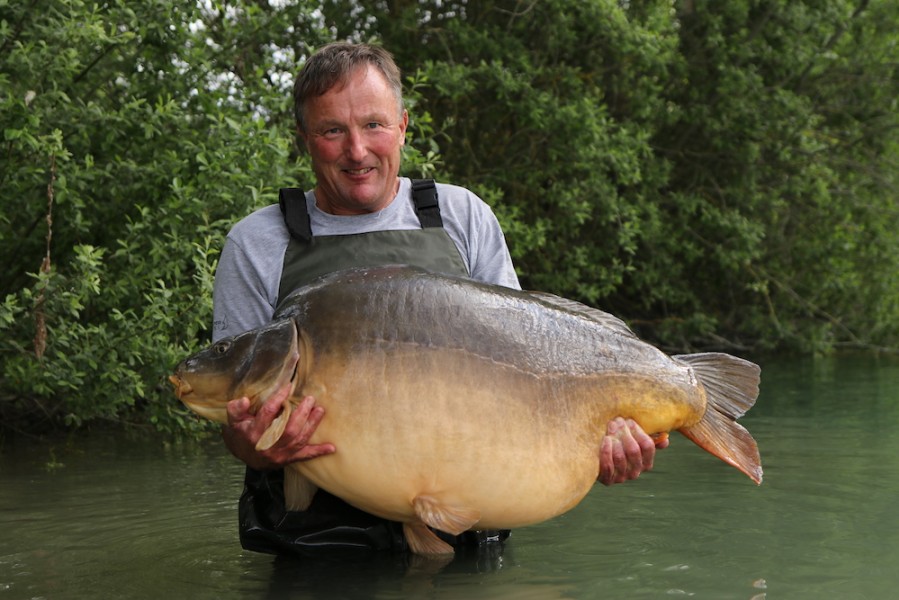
[(445, 424)]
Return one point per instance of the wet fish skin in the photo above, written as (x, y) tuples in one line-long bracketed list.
[(459, 405)]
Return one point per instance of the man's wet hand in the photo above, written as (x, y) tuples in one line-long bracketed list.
[(626, 451), (244, 429)]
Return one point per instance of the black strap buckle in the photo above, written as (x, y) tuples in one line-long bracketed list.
[(427, 207)]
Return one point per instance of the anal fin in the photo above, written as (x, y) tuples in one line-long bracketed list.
[(432, 513), (423, 541)]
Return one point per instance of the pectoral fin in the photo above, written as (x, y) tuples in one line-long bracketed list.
[(298, 491), (276, 429)]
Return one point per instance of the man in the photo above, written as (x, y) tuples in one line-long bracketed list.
[(349, 112)]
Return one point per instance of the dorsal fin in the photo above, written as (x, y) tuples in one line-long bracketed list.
[(594, 314)]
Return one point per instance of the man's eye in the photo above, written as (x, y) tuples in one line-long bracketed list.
[(373, 125)]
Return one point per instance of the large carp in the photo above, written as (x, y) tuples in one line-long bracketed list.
[(459, 405)]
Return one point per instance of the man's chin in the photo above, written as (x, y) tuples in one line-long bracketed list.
[(360, 203), (355, 196)]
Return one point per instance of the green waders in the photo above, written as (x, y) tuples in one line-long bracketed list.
[(330, 526)]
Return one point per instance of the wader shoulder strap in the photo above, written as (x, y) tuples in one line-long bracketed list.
[(293, 206), (424, 196), (296, 217)]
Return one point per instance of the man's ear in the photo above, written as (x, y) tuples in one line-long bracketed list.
[(404, 123)]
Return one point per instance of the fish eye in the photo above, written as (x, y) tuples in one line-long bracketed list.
[(221, 347)]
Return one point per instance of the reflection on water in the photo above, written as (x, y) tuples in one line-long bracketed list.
[(109, 517)]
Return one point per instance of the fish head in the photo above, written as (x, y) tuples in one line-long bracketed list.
[(253, 364)]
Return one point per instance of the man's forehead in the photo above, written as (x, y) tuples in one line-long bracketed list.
[(368, 98), (363, 74)]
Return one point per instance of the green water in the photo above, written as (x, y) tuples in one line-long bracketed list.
[(138, 519)]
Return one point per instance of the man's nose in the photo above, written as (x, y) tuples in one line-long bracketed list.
[(355, 148)]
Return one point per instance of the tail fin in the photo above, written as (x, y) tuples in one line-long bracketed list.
[(732, 385)]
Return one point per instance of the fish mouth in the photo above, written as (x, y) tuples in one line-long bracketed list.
[(182, 388)]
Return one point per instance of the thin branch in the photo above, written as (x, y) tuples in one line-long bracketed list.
[(40, 335), (94, 62)]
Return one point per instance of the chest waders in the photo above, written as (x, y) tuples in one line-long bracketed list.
[(330, 525)]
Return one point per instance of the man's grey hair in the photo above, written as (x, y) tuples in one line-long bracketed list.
[(334, 64)]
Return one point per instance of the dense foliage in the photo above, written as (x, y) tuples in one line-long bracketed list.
[(720, 174)]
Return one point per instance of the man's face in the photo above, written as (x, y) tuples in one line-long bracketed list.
[(354, 133)]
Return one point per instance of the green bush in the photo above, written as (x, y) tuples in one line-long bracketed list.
[(721, 175)]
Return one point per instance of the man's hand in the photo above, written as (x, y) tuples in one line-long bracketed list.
[(626, 451), (244, 429)]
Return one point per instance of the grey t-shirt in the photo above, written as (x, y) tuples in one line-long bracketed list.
[(249, 269)]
